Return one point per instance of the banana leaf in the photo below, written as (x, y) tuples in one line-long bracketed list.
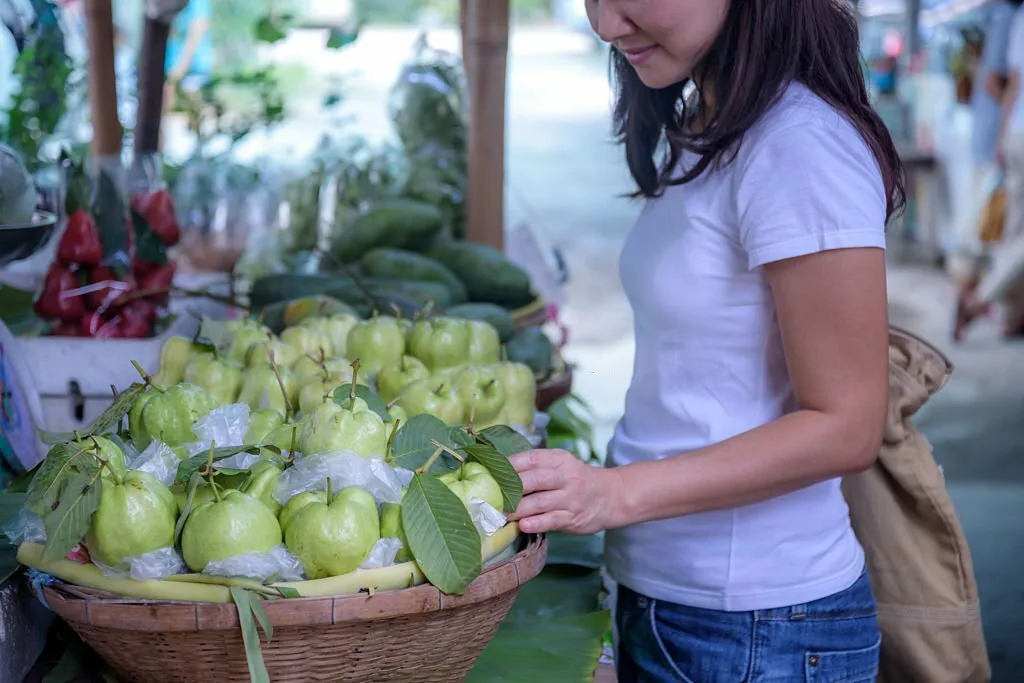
[(553, 634)]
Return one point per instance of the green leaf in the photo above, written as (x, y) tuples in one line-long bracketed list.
[(270, 30), (61, 464), (261, 617), (243, 600), (214, 333), (441, 534), (186, 468), (502, 471), (505, 440), (373, 400), (14, 302), (148, 245), (10, 505), (190, 497), (579, 551), (287, 592), (109, 214), (412, 445), (339, 38), (69, 523), (69, 668), (459, 437), (105, 423), (21, 484)]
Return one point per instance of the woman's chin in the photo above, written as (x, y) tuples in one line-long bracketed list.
[(657, 78)]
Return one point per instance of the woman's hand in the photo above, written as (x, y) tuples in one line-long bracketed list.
[(561, 493)]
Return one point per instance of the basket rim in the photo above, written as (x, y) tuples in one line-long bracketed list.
[(136, 614)]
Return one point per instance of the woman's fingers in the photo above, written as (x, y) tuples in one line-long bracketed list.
[(555, 520)]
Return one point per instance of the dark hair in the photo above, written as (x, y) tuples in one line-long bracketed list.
[(763, 46)]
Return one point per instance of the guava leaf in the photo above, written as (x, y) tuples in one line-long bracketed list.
[(441, 534), (505, 440), (459, 437), (288, 592), (62, 463), (373, 400), (502, 471), (69, 523), (413, 445), (244, 601), (190, 497), (104, 423), (186, 468), (214, 333), (22, 482), (269, 30), (148, 245)]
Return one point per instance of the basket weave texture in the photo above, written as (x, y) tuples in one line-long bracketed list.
[(416, 635)]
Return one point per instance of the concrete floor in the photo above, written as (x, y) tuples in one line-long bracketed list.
[(566, 179)]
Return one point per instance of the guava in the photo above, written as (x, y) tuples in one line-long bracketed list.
[(137, 515), (231, 525), (334, 539)]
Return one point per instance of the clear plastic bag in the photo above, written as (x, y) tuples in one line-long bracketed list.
[(25, 527), (278, 564), (488, 520), (383, 554), (152, 566), (223, 426), (158, 460), (345, 469)]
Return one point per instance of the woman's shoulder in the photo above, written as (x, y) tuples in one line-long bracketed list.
[(802, 124)]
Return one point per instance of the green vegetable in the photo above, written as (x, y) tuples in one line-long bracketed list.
[(532, 347), (401, 223), (495, 315), (399, 264), (489, 276)]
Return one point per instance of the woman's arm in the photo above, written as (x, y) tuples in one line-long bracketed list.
[(196, 31), (832, 312)]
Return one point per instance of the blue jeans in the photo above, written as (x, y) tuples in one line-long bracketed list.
[(832, 640)]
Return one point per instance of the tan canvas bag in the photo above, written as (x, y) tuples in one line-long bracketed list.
[(918, 561)]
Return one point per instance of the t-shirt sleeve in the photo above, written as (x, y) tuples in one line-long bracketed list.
[(1015, 50), (809, 187)]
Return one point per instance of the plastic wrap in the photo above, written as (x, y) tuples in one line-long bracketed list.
[(25, 526), (345, 469), (278, 564), (487, 519), (158, 460), (152, 566), (382, 554), (536, 432), (224, 426)]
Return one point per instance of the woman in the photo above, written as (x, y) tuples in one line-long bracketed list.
[(756, 275)]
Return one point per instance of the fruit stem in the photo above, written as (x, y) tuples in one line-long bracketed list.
[(291, 448), (329, 490), (209, 471), (105, 464), (432, 459), (280, 383), (146, 378), (352, 384)]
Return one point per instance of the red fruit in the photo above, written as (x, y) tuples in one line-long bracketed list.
[(80, 244), (133, 325), (157, 208), (145, 309), (141, 268), (96, 326), (102, 297), (158, 281), (66, 330), (54, 302)]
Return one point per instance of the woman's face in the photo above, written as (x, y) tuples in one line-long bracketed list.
[(662, 39)]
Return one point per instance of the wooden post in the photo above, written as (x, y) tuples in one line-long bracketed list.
[(464, 34), (151, 86), (106, 135), (488, 27)]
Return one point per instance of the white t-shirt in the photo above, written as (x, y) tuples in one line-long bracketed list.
[(1015, 62), (710, 364)]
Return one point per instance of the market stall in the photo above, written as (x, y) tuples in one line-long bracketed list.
[(336, 430)]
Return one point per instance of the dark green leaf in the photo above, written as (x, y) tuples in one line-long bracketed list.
[(459, 437), (63, 462), (14, 302), (373, 400), (250, 635), (197, 463), (505, 440), (261, 617), (502, 471), (148, 245), (10, 505), (214, 333), (109, 214), (105, 423), (69, 523), (412, 446), (579, 551), (269, 30), (339, 38), (190, 497), (441, 534), (21, 484)]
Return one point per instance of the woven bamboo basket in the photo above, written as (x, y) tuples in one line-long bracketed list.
[(554, 387), (416, 635)]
